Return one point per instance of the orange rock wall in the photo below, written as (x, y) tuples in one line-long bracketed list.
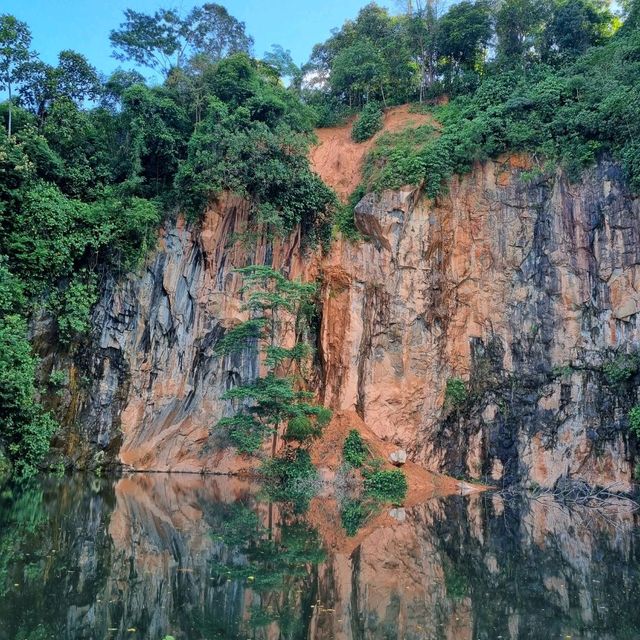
[(523, 288), (503, 283)]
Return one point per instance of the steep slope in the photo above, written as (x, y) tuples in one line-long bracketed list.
[(338, 160), (525, 288)]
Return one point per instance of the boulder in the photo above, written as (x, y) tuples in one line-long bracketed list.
[(398, 457)]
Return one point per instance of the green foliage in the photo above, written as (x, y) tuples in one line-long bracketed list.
[(355, 513), (387, 485), (73, 306), (354, 450), (634, 420), (346, 224), (25, 429), (253, 140), (264, 405), (369, 122), (455, 393), (464, 33), (303, 428), (291, 477), (621, 367), (58, 378), (166, 40), (407, 157), (15, 39), (456, 583)]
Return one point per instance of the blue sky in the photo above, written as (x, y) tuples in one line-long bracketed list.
[(84, 25)]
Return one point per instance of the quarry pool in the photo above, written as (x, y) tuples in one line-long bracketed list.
[(192, 557)]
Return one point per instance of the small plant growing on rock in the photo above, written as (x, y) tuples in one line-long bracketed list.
[(622, 367), (455, 392), (354, 450), (387, 485), (369, 122), (355, 513), (634, 420), (58, 378)]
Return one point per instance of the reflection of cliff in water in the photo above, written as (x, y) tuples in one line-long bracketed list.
[(194, 557)]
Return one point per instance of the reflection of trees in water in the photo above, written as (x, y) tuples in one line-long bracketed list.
[(45, 527), (190, 559), (274, 562)]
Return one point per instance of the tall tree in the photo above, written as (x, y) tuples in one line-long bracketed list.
[(574, 26), (15, 40), (422, 19), (282, 61), (73, 78), (164, 41), (519, 25), (271, 404), (465, 31)]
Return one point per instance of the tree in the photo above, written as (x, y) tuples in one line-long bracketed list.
[(575, 25), (165, 41), (116, 84), (465, 31), (15, 40), (281, 60), (277, 306), (519, 24), (422, 27), (74, 79), (357, 72), (212, 31)]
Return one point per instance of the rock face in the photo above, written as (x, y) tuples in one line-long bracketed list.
[(522, 289), (157, 384), (526, 289)]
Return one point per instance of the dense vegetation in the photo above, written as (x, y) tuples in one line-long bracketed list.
[(557, 78), (90, 166)]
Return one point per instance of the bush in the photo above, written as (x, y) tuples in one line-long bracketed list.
[(622, 367), (302, 429), (354, 451), (386, 485), (634, 420), (25, 429), (368, 123), (455, 392), (291, 477), (354, 514), (411, 156)]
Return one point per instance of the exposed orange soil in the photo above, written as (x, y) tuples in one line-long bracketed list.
[(326, 454), (338, 160)]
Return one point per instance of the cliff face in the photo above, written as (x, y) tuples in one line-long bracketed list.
[(153, 385), (522, 288)]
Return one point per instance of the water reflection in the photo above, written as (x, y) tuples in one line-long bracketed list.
[(150, 556)]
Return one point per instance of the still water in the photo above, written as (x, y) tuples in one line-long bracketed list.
[(151, 556)]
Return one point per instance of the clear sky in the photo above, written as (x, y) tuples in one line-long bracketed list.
[(84, 25)]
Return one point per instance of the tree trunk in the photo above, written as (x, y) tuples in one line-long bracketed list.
[(9, 127)]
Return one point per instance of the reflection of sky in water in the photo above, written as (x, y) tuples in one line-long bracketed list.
[(195, 558)]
